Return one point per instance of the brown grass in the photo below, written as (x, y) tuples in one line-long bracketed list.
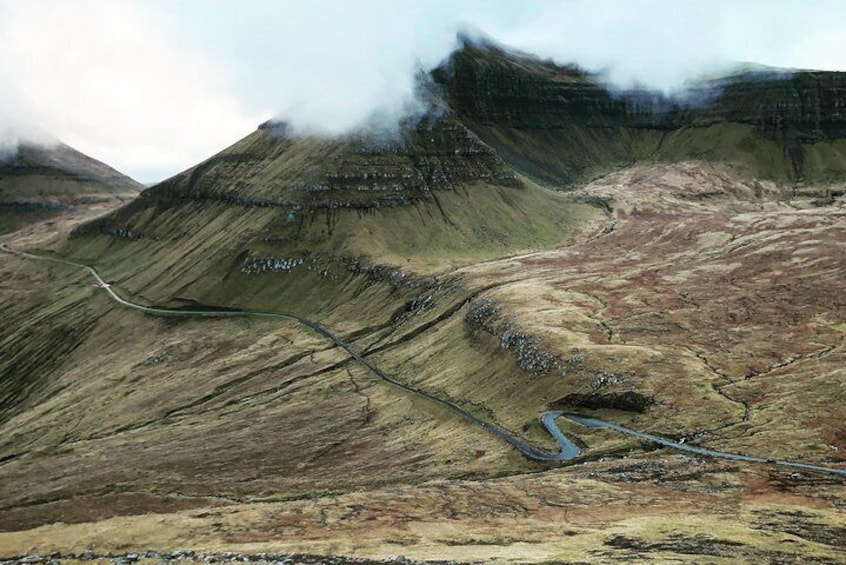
[(709, 292)]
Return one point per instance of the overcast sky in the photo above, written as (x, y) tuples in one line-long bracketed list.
[(153, 86)]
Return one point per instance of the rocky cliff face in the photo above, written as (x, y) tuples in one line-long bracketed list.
[(562, 125), (488, 86), (797, 110), (807, 106)]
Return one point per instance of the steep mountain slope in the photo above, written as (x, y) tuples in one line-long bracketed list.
[(286, 221), (561, 125), (40, 181)]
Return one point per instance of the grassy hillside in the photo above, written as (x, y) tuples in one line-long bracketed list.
[(703, 294), (38, 182), (300, 224)]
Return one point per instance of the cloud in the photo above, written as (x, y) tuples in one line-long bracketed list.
[(325, 65), (154, 86), (823, 49), (102, 76), (663, 43)]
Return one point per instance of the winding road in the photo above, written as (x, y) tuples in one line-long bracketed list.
[(567, 449), (597, 423)]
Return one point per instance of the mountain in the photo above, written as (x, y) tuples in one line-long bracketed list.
[(562, 125), (341, 341), (465, 182), (41, 181), (328, 212)]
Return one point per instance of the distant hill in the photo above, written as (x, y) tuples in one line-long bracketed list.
[(39, 181)]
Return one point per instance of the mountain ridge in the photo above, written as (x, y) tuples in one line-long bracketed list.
[(786, 126), (39, 181)]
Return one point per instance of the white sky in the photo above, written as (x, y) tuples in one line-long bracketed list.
[(153, 86)]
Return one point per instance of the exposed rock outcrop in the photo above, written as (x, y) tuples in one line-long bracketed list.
[(485, 316)]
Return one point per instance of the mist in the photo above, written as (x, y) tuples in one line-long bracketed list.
[(152, 87)]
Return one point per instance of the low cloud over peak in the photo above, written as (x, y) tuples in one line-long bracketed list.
[(102, 76), (154, 86)]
